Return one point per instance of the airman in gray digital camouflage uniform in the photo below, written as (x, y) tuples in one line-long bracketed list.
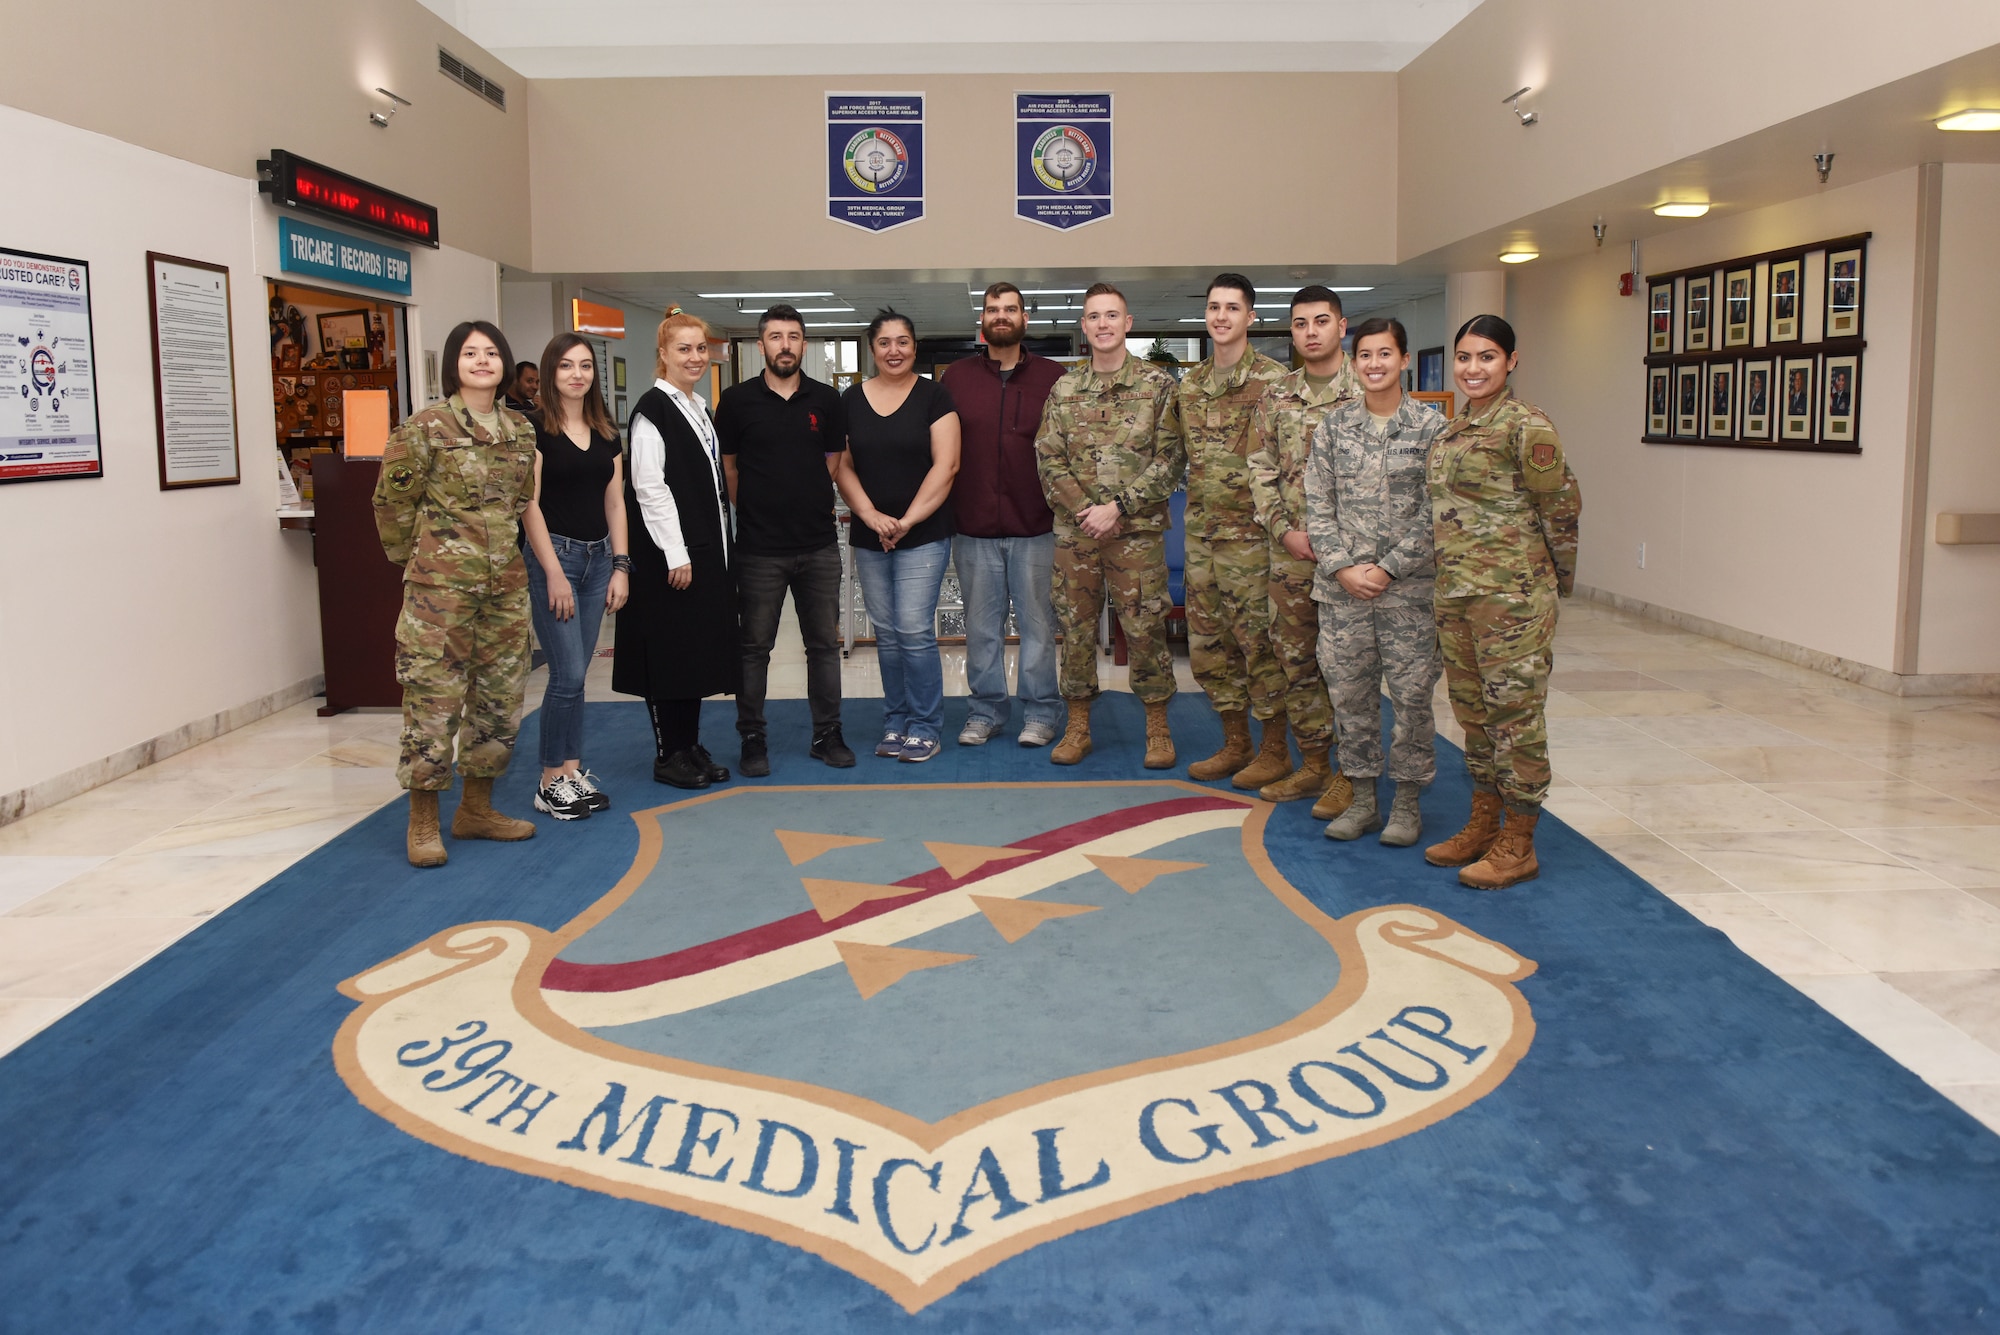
[(1112, 438), (448, 506), (1368, 503)]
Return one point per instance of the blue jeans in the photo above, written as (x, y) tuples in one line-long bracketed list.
[(993, 572), (569, 644), (901, 589)]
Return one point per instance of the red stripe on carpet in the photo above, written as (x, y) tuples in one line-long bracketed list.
[(566, 976)]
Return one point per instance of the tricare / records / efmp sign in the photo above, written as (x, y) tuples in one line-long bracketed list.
[(321, 252)]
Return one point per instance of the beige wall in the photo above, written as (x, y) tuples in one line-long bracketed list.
[(1799, 547), (128, 612), (1627, 86), (735, 175), (1961, 606), (225, 82)]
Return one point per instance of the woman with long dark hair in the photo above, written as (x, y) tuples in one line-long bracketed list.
[(1504, 507), (579, 562), (896, 474), (456, 478), (677, 635)]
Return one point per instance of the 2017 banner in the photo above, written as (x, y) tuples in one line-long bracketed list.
[(1062, 164), (875, 159)]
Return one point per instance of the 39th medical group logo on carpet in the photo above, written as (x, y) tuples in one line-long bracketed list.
[(917, 1030)]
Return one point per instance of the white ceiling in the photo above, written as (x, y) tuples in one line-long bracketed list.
[(943, 304), (569, 39)]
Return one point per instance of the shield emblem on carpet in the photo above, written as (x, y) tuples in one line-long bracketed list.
[(916, 1030)]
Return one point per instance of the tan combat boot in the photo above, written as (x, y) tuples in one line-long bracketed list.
[(476, 818), (1511, 860), (425, 843), (1273, 762), (1075, 743), (1471, 843), (1236, 750), (1159, 740), (1334, 798), (1308, 780)]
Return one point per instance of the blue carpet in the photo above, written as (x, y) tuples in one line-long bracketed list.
[(1689, 1144)]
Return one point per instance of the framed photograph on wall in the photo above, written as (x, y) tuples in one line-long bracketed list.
[(1662, 337), (1700, 292), (1843, 295), (1430, 370), (1795, 399), (1687, 402), (1786, 277), (1659, 400), (1756, 400), (1840, 413), (1736, 308), (1721, 396)]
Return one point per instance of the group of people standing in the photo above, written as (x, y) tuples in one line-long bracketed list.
[(1340, 539)]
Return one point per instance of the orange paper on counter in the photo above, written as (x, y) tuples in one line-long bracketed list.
[(364, 416)]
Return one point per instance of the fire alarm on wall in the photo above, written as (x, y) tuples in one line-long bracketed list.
[(1624, 284)]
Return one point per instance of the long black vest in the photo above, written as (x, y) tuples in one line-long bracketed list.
[(678, 644)]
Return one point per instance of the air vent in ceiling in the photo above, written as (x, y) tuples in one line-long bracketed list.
[(459, 72)]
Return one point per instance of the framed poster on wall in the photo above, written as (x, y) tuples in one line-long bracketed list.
[(194, 373), (48, 369)]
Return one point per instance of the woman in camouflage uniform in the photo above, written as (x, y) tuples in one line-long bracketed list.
[(455, 480), (1505, 508)]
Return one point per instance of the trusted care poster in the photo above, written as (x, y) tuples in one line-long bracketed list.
[(1062, 166), (875, 159), (48, 375)]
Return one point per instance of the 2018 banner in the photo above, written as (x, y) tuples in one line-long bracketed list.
[(1062, 165), (875, 159)]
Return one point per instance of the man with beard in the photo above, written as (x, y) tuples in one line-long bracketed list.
[(1006, 543), (781, 433)]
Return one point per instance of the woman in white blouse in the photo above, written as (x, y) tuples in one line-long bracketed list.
[(677, 633)]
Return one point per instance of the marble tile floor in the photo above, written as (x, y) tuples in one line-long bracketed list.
[(1847, 840)]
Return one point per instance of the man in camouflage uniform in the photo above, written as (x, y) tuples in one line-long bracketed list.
[(1110, 454), (1368, 509), (1228, 553), (1506, 509), (448, 506), (1281, 434)]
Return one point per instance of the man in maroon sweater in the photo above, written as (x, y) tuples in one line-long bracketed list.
[(1005, 547)]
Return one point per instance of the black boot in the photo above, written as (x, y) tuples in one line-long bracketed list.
[(682, 769), (832, 748), (756, 760)]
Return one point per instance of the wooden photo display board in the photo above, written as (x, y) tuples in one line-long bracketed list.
[(1760, 351)]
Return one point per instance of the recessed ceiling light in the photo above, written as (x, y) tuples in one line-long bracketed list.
[(750, 296), (839, 324), (1973, 118), (1680, 210), (820, 310), (1519, 256)]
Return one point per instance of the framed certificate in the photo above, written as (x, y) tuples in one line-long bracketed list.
[(194, 372)]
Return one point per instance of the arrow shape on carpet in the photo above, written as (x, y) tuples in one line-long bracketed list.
[(801, 846), (1135, 874), (874, 968), (963, 859), (834, 898), (1015, 918)]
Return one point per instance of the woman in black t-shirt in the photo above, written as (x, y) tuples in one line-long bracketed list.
[(578, 562), (902, 453)]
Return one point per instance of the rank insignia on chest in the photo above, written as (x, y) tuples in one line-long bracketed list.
[(1542, 456), (401, 477)]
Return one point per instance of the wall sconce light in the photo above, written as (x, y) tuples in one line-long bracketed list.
[(1514, 100), (1519, 255), (1687, 209), (1823, 161), (1597, 230), (1972, 118), (380, 119)]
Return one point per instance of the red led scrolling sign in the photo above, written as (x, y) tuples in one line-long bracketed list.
[(310, 187)]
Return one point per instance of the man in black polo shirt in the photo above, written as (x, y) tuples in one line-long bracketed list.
[(781, 434)]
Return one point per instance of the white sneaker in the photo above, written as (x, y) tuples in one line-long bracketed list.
[(586, 783), (977, 732), (561, 798), (1037, 734)]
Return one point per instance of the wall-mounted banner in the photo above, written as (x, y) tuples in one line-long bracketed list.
[(875, 159), (322, 252), (1062, 160), (48, 372)]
